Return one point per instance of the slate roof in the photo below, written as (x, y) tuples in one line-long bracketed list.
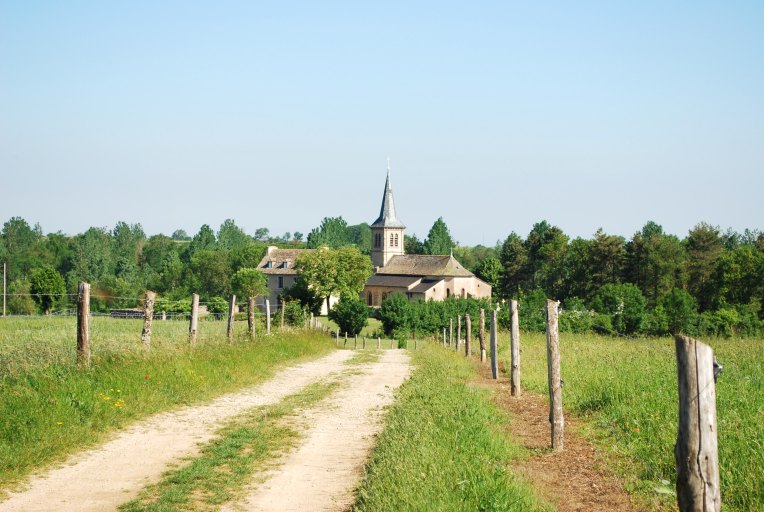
[(387, 217), (393, 281), (424, 265), (277, 258)]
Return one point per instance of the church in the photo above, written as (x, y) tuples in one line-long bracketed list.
[(416, 276)]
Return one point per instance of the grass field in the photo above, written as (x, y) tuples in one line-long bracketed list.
[(443, 447), (49, 408), (628, 391)]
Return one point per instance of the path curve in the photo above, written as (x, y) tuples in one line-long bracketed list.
[(322, 473), (103, 478)]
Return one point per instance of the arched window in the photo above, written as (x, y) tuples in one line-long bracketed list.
[(396, 239), (464, 293), (392, 240), (448, 292)]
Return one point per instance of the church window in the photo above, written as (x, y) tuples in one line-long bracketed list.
[(392, 240), (396, 239)]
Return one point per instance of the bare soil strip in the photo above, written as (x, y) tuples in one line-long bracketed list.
[(322, 473), (573, 480), (105, 477)]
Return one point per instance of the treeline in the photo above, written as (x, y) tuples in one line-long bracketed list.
[(709, 283)]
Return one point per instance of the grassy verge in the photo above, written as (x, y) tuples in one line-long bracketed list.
[(50, 410), (226, 464), (627, 391), (443, 448)]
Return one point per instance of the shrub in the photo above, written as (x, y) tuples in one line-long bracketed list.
[(656, 322), (395, 314), (350, 314), (47, 285), (575, 316), (681, 310), (294, 313)]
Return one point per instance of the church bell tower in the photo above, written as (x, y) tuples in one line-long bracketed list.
[(387, 231)]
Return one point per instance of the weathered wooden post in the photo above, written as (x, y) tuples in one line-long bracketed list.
[(468, 337), (268, 317), (415, 343), (193, 328), (379, 342), (515, 349), (554, 377), (164, 315), (494, 347), (450, 331), (444, 336), (231, 314), (458, 331), (346, 340), (391, 343), (311, 323), (696, 449), (148, 316), (337, 339), (364, 343), (481, 335), (83, 324), (251, 317), (281, 327), (355, 343)]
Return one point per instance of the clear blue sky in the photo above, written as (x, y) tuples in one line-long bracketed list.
[(495, 114)]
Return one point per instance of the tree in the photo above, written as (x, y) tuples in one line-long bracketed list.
[(704, 248), (231, 236), (180, 235), (249, 282), (19, 240), (210, 273), (262, 234), (607, 258), (46, 286), (395, 314), (334, 271), (655, 261), (307, 298), (413, 245), (360, 236), (439, 239), (128, 240), (204, 240), (350, 314), (247, 256), (297, 236), (680, 309), (333, 232), (514, 262), (489, 270), (546, 246), (625, 305)]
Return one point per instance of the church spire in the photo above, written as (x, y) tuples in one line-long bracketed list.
[(387, 217)]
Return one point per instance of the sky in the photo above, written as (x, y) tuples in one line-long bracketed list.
[(495, 115)]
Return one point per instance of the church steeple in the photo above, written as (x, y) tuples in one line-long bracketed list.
[(387, 231)]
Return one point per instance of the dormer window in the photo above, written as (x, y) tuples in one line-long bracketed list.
[(269, 264), (285, 265)]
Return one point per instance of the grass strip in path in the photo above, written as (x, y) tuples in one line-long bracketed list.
[(443, 447), (227, 463)]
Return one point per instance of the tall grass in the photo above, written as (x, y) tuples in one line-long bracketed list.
[(50, 408), (442, 448), (628, 389)]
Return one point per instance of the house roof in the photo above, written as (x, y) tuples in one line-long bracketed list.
[(387, 217), (424, 265), (278, 258), (393, 281)]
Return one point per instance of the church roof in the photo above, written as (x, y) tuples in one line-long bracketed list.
[(424, 265), (387, 217)]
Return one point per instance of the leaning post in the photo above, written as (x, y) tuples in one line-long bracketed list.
[(515, 349), (554, 376), (193, 328), (148, 316), (450, 331), (83, 324), (251, 317), (281, 326), (696, 450)]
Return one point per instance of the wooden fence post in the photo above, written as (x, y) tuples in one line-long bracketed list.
[(193, 328), (554, 376), (494, 347), (391, 343), (268, 317), (696, 449), (450, 331), (481, 335), (458, 331), (444, 336), (281, 326), (379, 342), (311, 322), (251, 317), (83, 324), (148, 316), (346, 340), (415, 343), (231, 309), (337, 339), (355, 343), (468, 337), (515, 349), (164, 315)]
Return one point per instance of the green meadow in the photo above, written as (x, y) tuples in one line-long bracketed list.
[(626, 390)]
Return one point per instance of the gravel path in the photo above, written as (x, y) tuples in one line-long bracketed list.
[(103, 478), (321, 474)]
